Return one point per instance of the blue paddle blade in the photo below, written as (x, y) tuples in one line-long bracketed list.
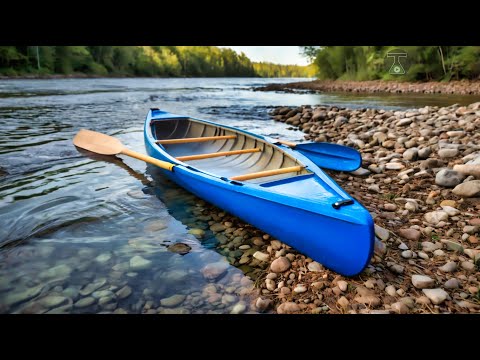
[(331, 156)]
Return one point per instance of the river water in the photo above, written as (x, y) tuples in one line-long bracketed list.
[(84, 234)]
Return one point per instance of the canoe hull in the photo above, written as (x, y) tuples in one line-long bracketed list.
[(341, 244)]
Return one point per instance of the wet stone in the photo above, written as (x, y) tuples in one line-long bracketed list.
[(180, 248), (84, 302)]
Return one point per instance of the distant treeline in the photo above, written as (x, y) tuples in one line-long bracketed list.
[(368, 62), (150, 61), (267, 69)]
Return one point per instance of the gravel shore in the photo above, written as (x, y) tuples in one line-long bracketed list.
[(420, 179), (462, 87)]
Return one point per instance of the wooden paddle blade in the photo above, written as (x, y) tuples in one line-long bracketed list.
[(97, 142)]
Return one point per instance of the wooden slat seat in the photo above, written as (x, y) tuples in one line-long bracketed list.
[(217, 154), (267, 173), (198, 139)]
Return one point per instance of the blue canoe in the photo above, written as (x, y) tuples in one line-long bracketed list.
[(232, 169)]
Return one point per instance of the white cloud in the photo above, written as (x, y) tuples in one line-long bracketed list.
[(288, 55)]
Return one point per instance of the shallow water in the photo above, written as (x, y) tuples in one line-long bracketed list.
[(84, 233)]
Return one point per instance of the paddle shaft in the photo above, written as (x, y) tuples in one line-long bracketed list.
[(288, 143), (151, 160)]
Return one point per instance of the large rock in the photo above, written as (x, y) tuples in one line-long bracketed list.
[(422, 281), (436, 296), (448, 178), (280, 265), (468, 189), (434, 217)]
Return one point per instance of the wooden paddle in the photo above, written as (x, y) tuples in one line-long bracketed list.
[(107, 145)]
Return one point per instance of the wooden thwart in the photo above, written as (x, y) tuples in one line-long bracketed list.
[(217, 154), (199, 139), (267, 173)]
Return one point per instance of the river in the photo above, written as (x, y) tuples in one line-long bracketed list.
[(86, 234)]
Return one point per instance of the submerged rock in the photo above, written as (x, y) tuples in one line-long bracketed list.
[(139, 263), (214, 270), (180, 248)]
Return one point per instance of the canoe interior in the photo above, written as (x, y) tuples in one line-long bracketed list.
[(269, 158)]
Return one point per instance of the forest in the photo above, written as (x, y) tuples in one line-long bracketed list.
[(143, 61), (425, 63)]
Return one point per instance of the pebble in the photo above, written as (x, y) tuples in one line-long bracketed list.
[(448, 178), (436, 296), (397, 268), (238, 308), (84, 302), (451, 211), (468, 266), (300, 288), (342, 285), (382, 233), (51, 301), (288, 308), (400, 308), (261, 256), (450, 266), (173, 301), (124, 292), (180, 248), (214, 270), (103, 258), (409, 234), (280, 265), (407, 254), (394, 166), (467, 189), (197, 232), (447, 153), (423, 256), (435, 217), (270, 284), (402, 246), (217, 227), (452, 245), (390, 290), (452, 283), (343, 302), (422, 281), (315, 267), (139, 263), (262, 304)]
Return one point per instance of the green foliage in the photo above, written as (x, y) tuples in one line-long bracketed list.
[(266, 69), (158, 61), (367, 62)]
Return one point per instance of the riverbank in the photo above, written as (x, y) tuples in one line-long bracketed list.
[(420, 179), (463, 87)]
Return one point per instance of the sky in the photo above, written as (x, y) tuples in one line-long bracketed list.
[(288, 55)]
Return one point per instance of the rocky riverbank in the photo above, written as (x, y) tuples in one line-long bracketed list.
[(420, 179), (463, 87)]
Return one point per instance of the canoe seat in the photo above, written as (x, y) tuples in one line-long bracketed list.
[(217, 154), (197, 139), (265, 173)]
